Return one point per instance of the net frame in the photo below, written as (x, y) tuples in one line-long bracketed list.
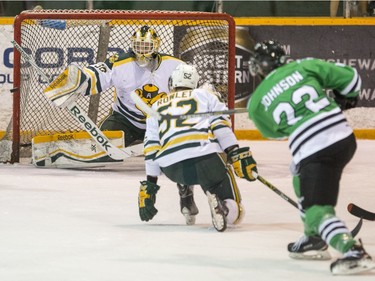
[(90, 17)]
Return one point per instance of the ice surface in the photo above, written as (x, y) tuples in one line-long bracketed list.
[(78, 225)]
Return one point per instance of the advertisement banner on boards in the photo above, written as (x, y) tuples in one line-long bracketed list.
[(6, 77), (351, 45), (6, 58)]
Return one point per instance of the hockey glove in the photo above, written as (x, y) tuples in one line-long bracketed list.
[(67, 86), (243, 163), (146, 200), (345, 102)]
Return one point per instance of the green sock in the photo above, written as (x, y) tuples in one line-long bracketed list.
[(342, 242)]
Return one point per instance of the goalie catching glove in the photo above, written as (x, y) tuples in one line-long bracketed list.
[(146, 200), (243, 163), (67, 86)]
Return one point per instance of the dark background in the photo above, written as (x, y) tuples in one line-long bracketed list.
[(352, 45), (347, 44), (235, 8)]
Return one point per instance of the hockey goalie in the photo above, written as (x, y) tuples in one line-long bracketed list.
[(143, 69)]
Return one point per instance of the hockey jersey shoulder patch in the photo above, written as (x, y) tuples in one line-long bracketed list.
[(168, 57), (118, 59)]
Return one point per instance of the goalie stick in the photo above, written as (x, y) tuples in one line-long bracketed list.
[(354, 231), (151, 112), (357, 211), (81, 117)]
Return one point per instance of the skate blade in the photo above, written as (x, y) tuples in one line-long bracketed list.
[(218, 219), (311, 255), (353, 267), (190, 219)]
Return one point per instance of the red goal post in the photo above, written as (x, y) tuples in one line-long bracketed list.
[(56, 38)]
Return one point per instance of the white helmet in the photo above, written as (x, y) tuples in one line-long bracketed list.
[(185, 76)]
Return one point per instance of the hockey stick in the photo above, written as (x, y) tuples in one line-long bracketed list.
[(81, 117), (354, 231), (360, 213), (205, 114), (275, 189), (151, 112)]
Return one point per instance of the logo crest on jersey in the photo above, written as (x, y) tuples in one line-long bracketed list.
[(150, 94), (113, 58)]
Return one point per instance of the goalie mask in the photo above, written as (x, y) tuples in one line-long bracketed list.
[(267, 56), (145, 44), (184, 76)]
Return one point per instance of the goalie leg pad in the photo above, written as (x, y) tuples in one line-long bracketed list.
[(72, 150)]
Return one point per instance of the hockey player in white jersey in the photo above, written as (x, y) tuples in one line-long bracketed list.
[(190, 151), (143, 69)]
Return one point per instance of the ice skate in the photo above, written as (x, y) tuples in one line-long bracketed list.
[(187, 204), (309, 248), (218, 212), (356, 260)]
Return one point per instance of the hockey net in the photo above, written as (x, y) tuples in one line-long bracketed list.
[(56, 38)]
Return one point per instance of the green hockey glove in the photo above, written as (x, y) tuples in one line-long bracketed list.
[(146, 200), (243, 163)]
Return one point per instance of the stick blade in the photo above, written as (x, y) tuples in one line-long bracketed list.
[(357, 228), (360, 213)]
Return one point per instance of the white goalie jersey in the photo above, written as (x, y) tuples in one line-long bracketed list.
[(123, 73), (173, 140)]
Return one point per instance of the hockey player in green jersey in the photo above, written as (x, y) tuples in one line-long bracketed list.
[(190, 151), (291, 103)]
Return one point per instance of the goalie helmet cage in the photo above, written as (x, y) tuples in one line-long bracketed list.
[(57, 38)]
